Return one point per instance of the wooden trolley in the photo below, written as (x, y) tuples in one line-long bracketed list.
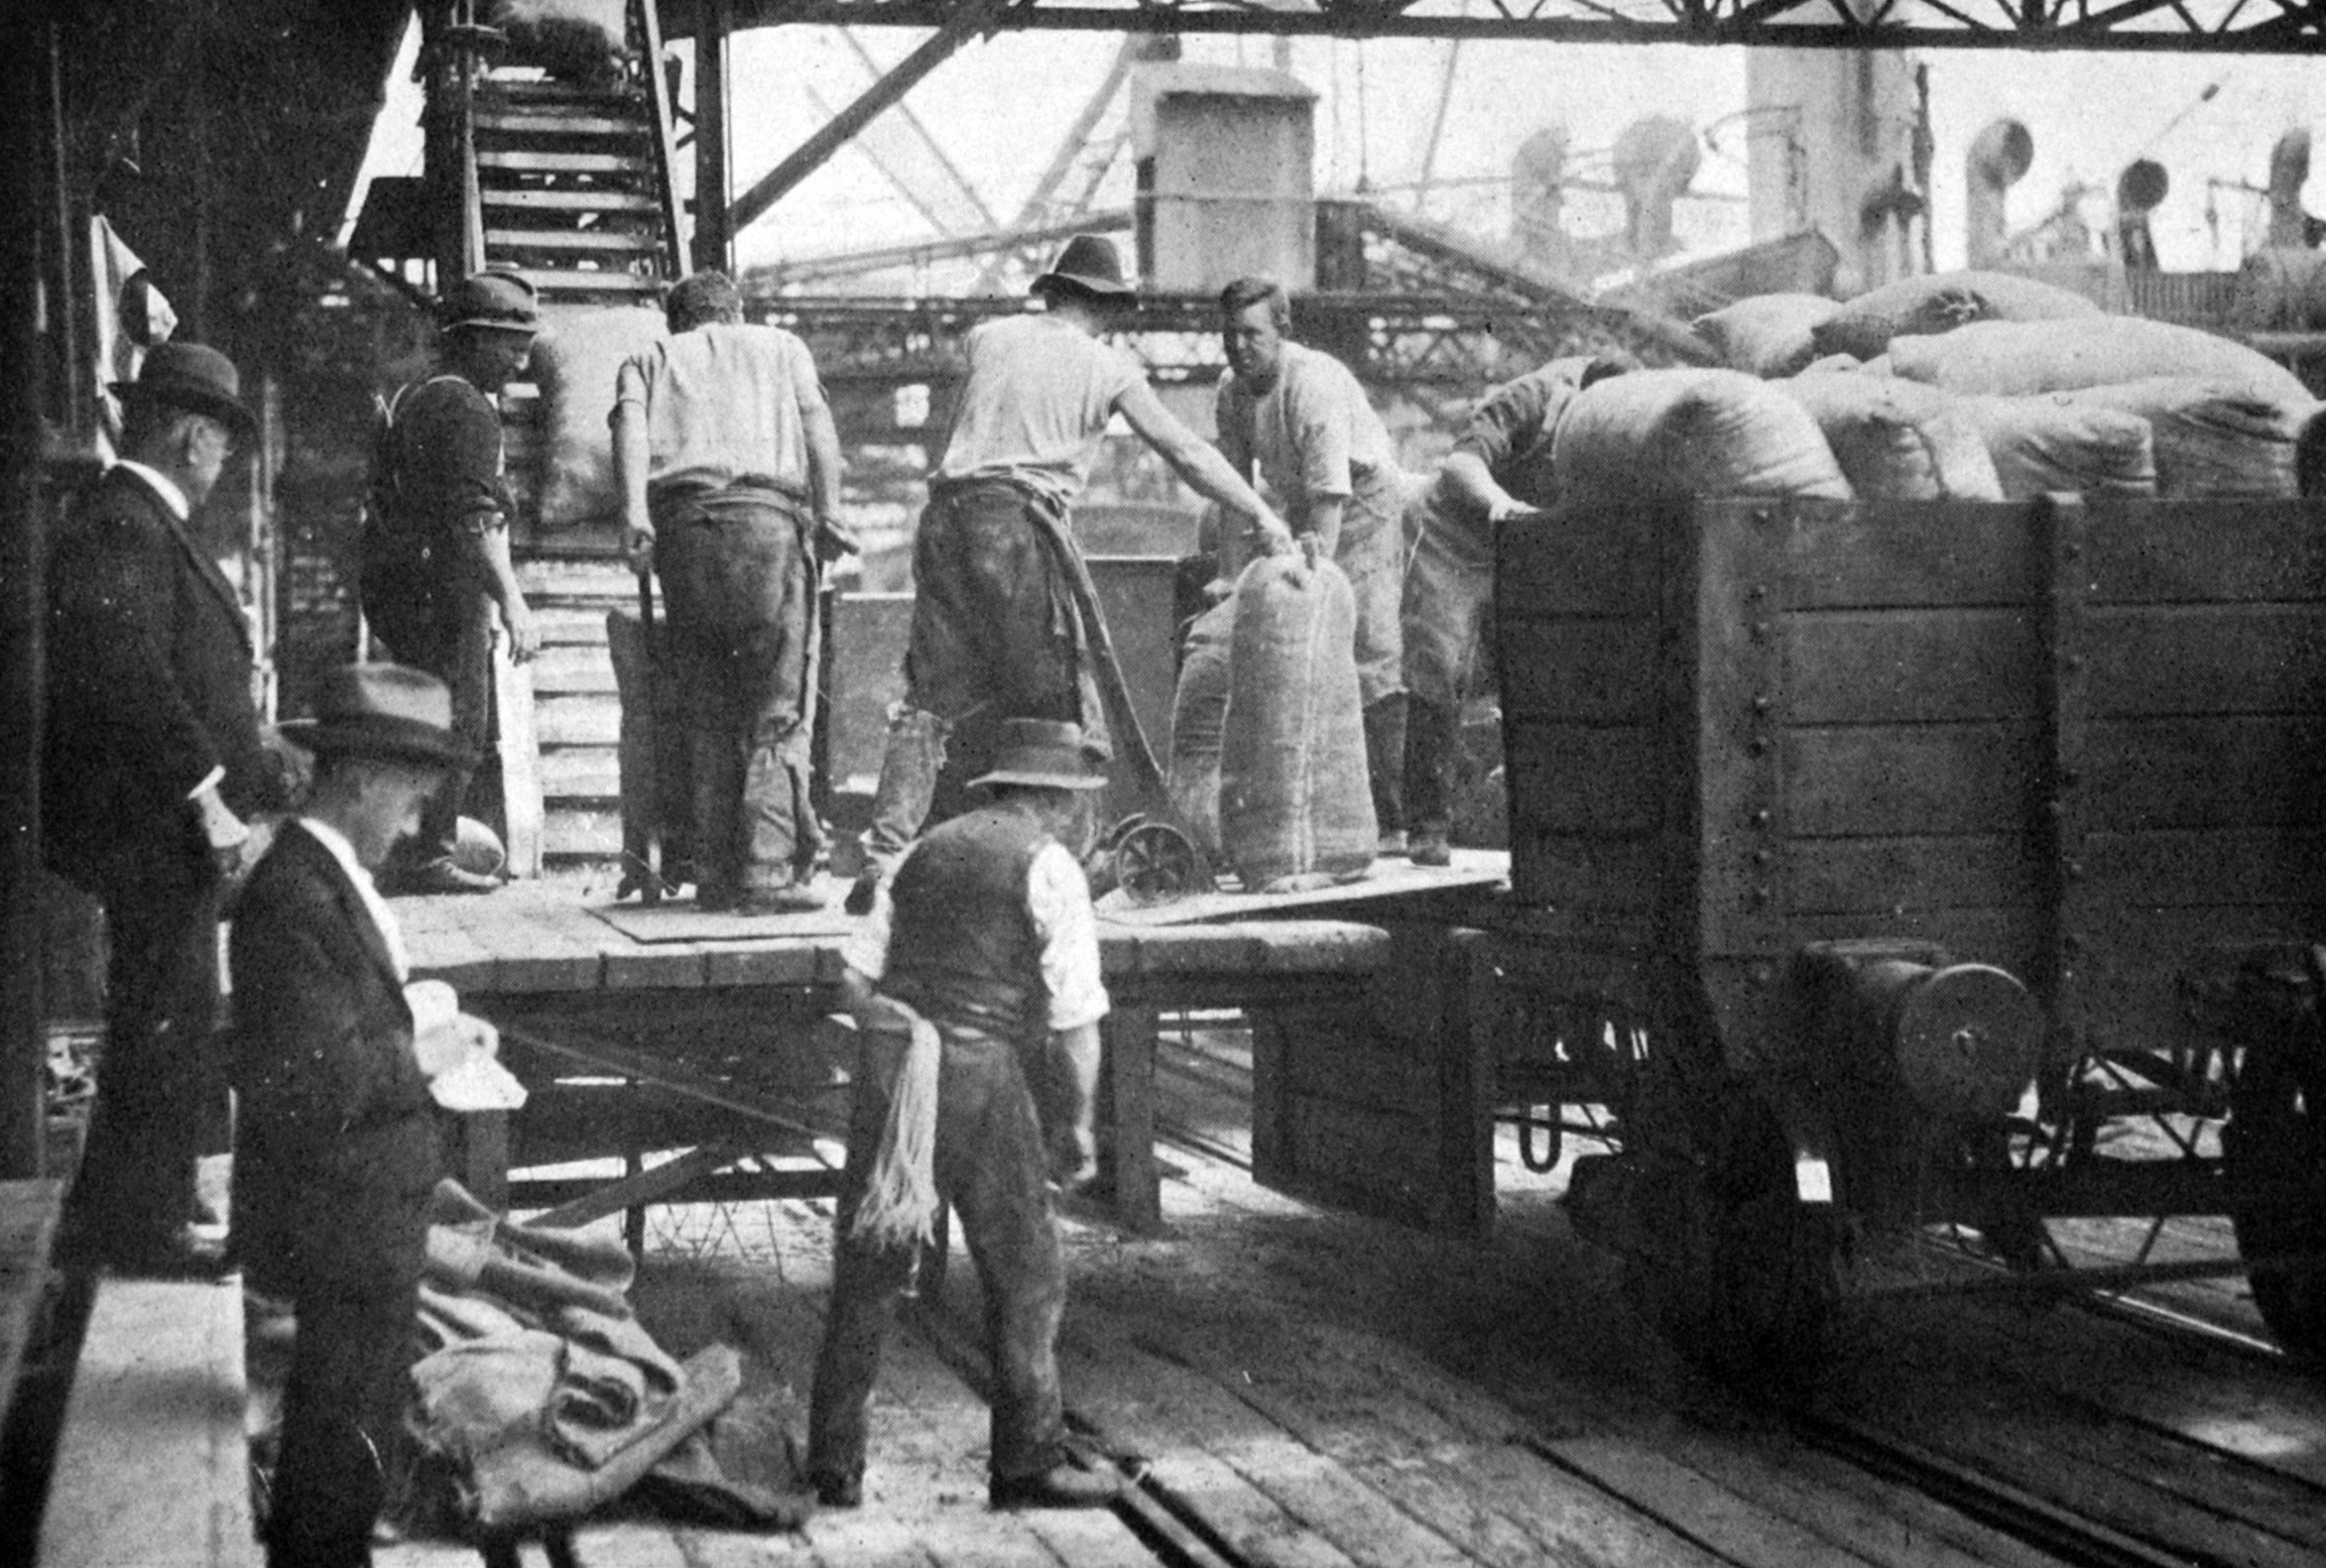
[(1881, 866)]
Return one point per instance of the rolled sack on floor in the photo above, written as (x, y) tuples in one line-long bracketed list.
[(1663, 435), (1295, 807)]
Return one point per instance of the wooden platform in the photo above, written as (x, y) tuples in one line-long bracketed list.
[(731, 1027)]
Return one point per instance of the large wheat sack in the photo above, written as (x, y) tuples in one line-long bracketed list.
[(1940, 303), (1659, 434), (1768, 336), (2052, 442), (1898, 440), (2010, 359), (1199, 712), (1295, 808), (574, 363), (581, 41), (2211, 440)]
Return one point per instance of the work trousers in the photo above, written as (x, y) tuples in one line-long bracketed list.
[(344, 1404), (1369, 551), (1449, 585), (995, 636), (990, 1167), (456, 647), (739, 584), (161, 1086)]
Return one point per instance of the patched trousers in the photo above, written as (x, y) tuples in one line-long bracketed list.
[(990, 1167), (739, 584)]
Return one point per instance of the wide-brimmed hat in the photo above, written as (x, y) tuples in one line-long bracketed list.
[(387, 711), (194, 377), (499, 300), (1089, 262), (1045, 753)]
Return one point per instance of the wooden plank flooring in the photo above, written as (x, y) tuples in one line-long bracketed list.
[(1313, 1390)]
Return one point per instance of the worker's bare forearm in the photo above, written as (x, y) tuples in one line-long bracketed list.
[(824, 462)]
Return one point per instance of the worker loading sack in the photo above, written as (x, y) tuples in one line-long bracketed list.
[(1295, 809)]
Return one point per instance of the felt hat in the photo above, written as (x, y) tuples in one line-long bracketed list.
[(500, 299), (1045, 753), (387, 711), (194, 377), (1089, 262)]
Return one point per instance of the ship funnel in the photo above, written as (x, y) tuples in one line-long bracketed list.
[(1655, 160), (2139, 188), (2290, 171), (1538, 177), (2000, 155)]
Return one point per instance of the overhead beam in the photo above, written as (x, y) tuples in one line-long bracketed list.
[(962, 22), (2207, 27)]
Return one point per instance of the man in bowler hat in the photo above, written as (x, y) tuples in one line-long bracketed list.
[(993, 633), (335, 1144), (153, 758), (435, 545)]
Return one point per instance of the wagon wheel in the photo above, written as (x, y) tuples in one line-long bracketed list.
[(1154, 863), (2275, 1146), (1746, 1277)]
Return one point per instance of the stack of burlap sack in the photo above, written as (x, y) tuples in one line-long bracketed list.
[(1967, 386)]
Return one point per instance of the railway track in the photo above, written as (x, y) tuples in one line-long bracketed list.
[(2041, 1522)]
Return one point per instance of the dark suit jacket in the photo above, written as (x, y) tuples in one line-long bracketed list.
[(335, 1146), (149, 690)]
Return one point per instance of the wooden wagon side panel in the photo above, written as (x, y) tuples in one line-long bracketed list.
[(1595, 768)]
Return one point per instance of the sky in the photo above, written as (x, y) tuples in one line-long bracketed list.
[(999, 107)]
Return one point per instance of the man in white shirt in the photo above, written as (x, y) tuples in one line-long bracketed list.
[(1300, 416), (986, 948)]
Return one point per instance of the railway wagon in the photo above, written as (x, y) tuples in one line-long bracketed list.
[(1884, 869)]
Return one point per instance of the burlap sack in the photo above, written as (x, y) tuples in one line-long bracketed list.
[(2007, 359), (1295, 807), (1199, 711), (1767, 335), (2052, 442), (583, 40), (2211, 440), (1898, 440), (1937, 303), (1678, 433), (574, 362)]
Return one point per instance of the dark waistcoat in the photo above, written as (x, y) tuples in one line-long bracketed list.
[(963, 947)]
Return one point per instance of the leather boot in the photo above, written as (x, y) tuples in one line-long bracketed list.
[(1385, 760), (910, 765), (1434, 732)]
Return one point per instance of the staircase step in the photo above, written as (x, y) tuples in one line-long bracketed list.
[(588, 285), (569, 200), (607, 242), (576, 721), (583, 835), (550, 122), (525, 160), (572, 669), (582, 773), (524, 89)]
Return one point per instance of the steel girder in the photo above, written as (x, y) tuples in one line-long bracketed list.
[(2259, 27)]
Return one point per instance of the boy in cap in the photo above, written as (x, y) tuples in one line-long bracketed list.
[(976, 988), (435, 543), (994, 631), (153, 756), (335, 1144)]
